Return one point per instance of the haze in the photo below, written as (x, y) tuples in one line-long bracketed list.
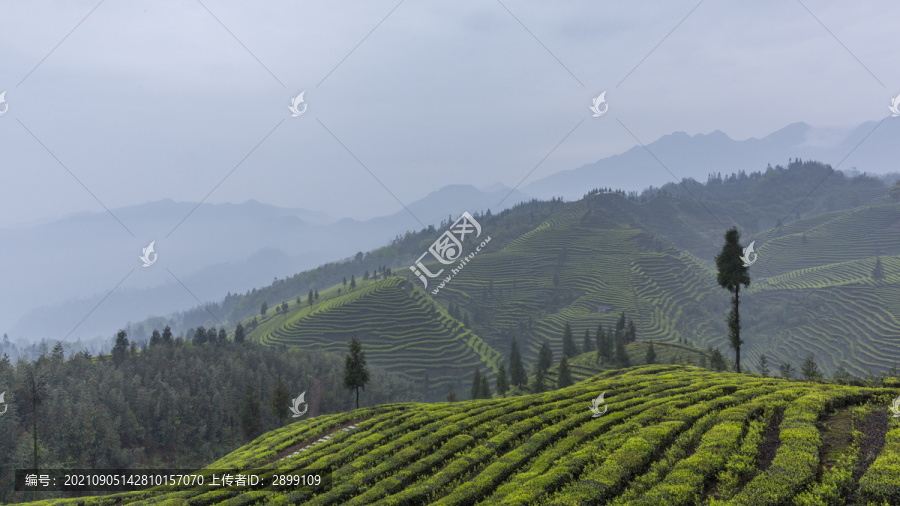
[(150, 100)]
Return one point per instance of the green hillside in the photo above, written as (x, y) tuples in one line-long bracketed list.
[(401, 329), (670, 435), (807, 296), (586, 262)]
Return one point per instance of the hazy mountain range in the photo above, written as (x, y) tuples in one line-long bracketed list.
[(870, 147), (61, 275), (57, 273)]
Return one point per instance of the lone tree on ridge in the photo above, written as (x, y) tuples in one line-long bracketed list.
[(731, 275), (355, 373)]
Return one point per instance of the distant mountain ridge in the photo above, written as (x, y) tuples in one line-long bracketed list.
[(869, 147), (73, 263), (221, 247)]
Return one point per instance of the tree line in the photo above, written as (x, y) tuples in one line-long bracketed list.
[(609, 346), (173, 403)]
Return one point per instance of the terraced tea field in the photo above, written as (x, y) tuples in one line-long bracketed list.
[(672, 435), (811, 293), (400, 328)]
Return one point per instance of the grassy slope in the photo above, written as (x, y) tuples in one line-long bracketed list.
[(817, 296), (600, 256), (401, 329), (673, 434)]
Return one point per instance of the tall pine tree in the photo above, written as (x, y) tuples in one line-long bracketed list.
[(281, 399), (650, 357), (249, 413), (564, 378), (516, 369), (356, 375), (731, 274), (502, 381), (538, 382), (120, 350), (476, 385), (878, 270), (601, 343), (545, 357), (568, 342), (485, 389)]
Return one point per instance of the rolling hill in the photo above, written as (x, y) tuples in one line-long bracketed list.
[(401, 329), (586, 262), (671, 434)]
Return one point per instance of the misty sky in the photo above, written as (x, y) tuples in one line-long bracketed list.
[(148, 100)]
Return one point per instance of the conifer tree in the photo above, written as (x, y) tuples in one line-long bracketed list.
[(810, 370), (167, 335), (476, 385), (787, 370), (239, 333), (120, 350), (763, 366), (249, 413), (650, 357), (564, 378), (545, 357), (199, 335), (223, 335), (731, 274), (878, 270), (155, 338), (263, 308), (622, 358), (586, 343), (485, 389), (356, 375), (502, 382), (516, 369), (601, 343), (281, 399), (568, 342), (717, 360), (537, 385)]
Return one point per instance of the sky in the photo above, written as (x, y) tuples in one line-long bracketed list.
[(113, 104)]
